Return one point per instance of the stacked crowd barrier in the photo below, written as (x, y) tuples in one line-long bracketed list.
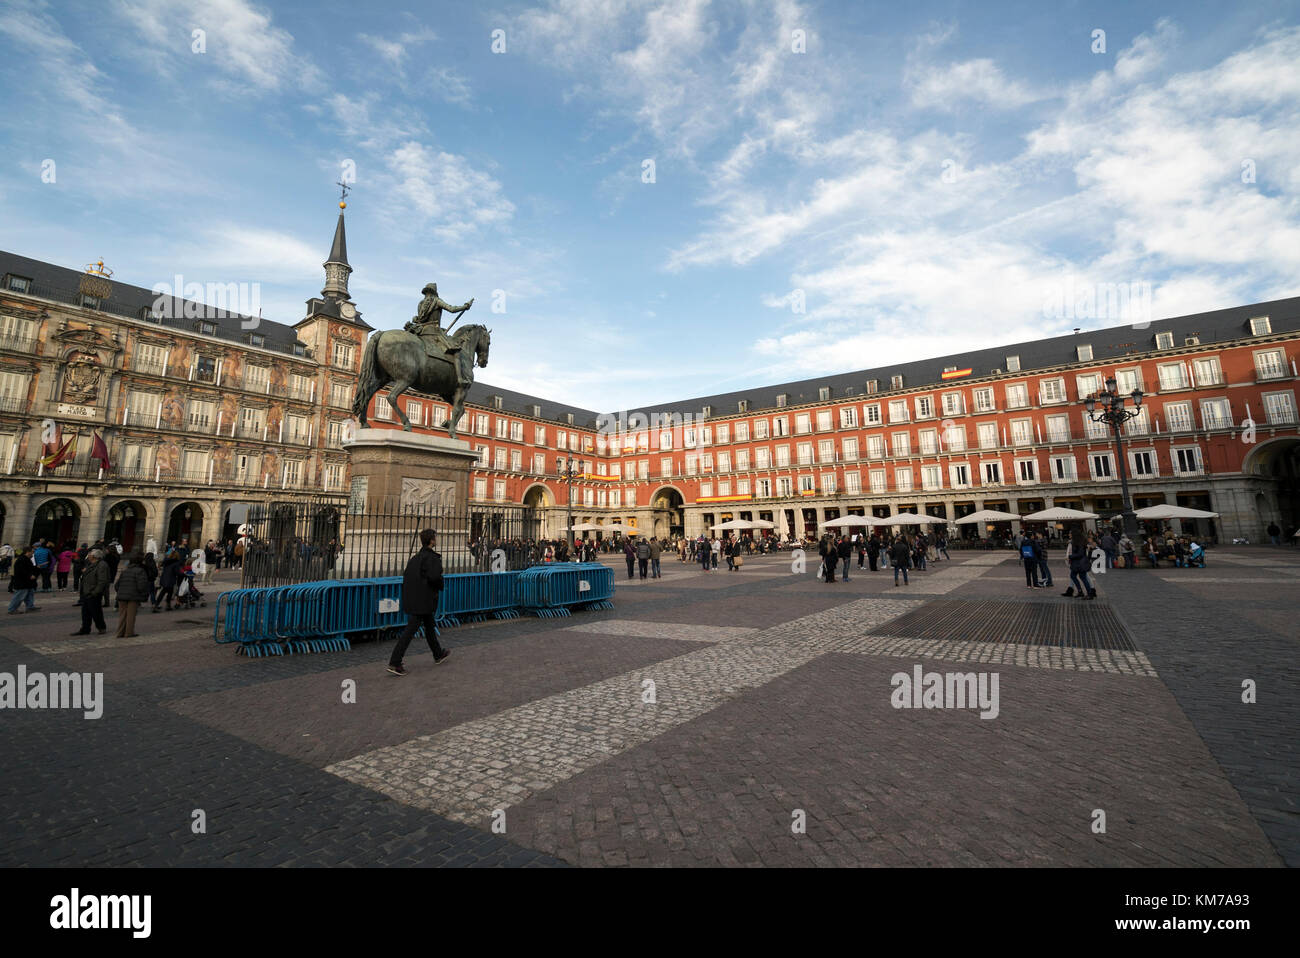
[(552, 590), (320, 616)]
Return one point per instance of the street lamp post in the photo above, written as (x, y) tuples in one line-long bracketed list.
[(568, 473), (1108, 407)]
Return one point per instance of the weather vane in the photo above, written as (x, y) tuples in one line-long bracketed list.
[(343, 196)]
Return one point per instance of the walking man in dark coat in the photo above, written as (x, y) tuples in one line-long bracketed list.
[(421, 584), (94, 589)]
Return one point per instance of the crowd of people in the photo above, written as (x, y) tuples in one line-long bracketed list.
[(103, 576)]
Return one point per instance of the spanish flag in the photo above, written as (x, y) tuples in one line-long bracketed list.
[(61, 455)]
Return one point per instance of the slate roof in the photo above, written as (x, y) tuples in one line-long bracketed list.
[(62, 284)]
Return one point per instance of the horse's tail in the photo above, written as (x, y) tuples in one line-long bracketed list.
[(368, 381)]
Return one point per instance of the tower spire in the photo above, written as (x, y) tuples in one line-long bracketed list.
[(336, 267)]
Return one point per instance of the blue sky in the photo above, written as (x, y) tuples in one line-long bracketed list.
[(923, 177)]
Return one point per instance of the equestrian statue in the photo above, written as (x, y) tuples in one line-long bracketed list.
[(424, 357)]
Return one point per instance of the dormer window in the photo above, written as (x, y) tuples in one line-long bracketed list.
[(1013, 364), (743, 405), (1164, 340), (256, 339), (208, 329), (149, 316), (1260, 326), (707, 411), (873, 386), (299, 349), (1084, 353), (17, 284), (895, 382), (781, 400), (496, 402), (823, 393), (536, 411), (568, 418), (88, 302)]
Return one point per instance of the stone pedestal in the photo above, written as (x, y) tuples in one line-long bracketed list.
[(395, 470)]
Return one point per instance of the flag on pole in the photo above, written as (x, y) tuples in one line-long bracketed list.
[(100, 451), (65, 452)]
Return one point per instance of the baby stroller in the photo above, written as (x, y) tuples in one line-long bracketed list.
[(188, 595), (1196, 557)]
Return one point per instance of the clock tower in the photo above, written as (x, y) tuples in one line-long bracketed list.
[(332, 312)]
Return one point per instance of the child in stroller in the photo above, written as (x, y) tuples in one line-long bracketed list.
[(187, 593)]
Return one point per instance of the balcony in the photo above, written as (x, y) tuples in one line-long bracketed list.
[(1270, 371)]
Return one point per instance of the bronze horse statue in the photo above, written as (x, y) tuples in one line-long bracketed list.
[(398, 357)]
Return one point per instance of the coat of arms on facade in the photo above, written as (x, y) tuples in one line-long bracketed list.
[(81, 378)]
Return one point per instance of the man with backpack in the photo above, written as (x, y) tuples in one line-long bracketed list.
[(1029, 558)]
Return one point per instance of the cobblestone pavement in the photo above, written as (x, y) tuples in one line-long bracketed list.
[(737, 718)]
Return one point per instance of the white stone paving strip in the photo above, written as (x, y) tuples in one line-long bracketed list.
[(947, 579), (1003, 653), (469, 771), (1198, 579), (664, 630), (70, 645)]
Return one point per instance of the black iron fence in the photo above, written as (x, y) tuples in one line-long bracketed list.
[(306, 541)]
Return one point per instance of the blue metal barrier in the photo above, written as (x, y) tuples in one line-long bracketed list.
[(319, 616)]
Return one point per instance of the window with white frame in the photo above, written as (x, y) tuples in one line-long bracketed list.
[(1089, 384), (724, 462), (1164, 340), (780, 426), (1178, 416), (1013, 364), (959, 475), (517, 431), (1026, 470), (898, 410), (1127, 380), (764, 487), (1101, 465), (382, 409), (953, 404), (1051, 391), (200, 414), (1094, 430), (481, 424), (988, 435), (954, 438), (499, 458), (1140, 424), (1216, 414), (1260, 326), (483, 453), (896, 382), (742, 459), (824, 420), (724, 433), (724, 487), (257, 378), (1173, 376), (928, 441), (848, 417), (931, 478), (875, 447), (1058, 428), (666, 466), (828, 483), (742, 432), (1022, 432), (902, 444), (1017, 396), (343, 355), (984, 401), (762, 458), (877, 479), (1280, 408), (852, 483), (588, 497), (499, 490), (992, 472), (293, 472), (903, 480), (333, 475), (1063, 469), (782, 456), (692, 464), (415, 413), (871, 415), (805, 453), (850, 447), (1142, 462), (539, 463), (706, 435), (1084, 353), (539, 435), (1187, 460), (807, 484), (802, 423), (615, 498), (924, 407), (785, 487), (341, 395), (1270, 364), (761, 430), (480, 488), (826, 450), (1207, 371), (149, 358), (516, 460), (742, 487)]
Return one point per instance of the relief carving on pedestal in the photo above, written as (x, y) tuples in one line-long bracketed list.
[(430, 494)]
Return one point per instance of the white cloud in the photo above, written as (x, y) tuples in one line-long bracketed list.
[(956, 85), (242, 42), (447, 196)]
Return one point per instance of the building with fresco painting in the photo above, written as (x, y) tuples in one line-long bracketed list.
[(202, 411), (205, 411)]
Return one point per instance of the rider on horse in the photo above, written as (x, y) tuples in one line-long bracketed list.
[(427, 324)]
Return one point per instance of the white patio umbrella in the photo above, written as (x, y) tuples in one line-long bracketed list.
[(846, 522), (1173, 512), (582, 527), (906, 519), (733, 524), (761, 524), (988, 515), (1058, 514)]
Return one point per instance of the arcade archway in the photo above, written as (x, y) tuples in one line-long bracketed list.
[(125, 522), (186, 522), (58, 520), (668, 513)]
